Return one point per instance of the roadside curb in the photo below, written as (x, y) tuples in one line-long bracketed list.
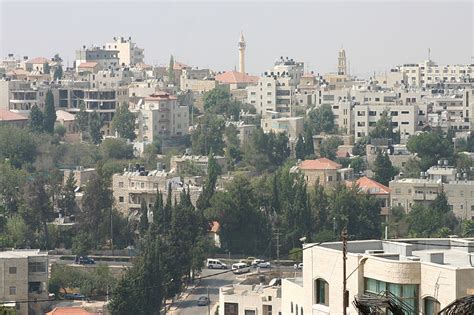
[(174, 306)]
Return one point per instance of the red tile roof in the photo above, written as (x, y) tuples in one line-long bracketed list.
[(370, 186), (215, 227), (89, 64), (70, 311), (180, 66), (319, 164), (6, 115), (39, 60), (232, 77)]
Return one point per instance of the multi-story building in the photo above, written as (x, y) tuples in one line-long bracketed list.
[(459, 191), (248, 299), (428, 72), (160, 116), (292, 126), (20, 96), (128, 52), (133, 187), (450, 109), (376, 189), (405, 118), (107, 59), (24, 277), (327, 172), (178, 164), (244, 131), (421, 275), (197, 80)]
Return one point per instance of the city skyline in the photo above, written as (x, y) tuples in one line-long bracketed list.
[(205, 34)]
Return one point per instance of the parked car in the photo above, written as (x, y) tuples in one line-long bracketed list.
[(249, 260), (84, 260), (215, 264), (261, 263), (203, 301), (298, 266), (240, 268), (74, 296)]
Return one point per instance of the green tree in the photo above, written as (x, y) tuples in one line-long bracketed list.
[(412, 168), (58, 73), (143, 226), (218, 101), (49, 117), (17, 231), (266, 151), (112, 148), (82, 243), (208, 190), (17, 146), (207, 137), (232, 151), (383, 169), (97, 202), (95, 124), (359, 147), (322, 119), (308, 142), (430, 147), (82, 118), (300, 148), (60, 130), (296, 254), (37, 210), (384, 128), (68, 196), (328, 148), (171, 76), (124, 122), (36, 119), (358, 164)]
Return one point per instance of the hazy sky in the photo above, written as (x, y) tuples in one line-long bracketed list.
[(376, 35)]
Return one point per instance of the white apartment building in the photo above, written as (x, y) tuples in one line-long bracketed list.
[(292, 126), (24, 277), (132, 187), (107, 59), (128, 52), (425, 274), (451, 109), (256, 299), (428, 72), (160, 116), (275, 91), (459, 191), (405, 118)]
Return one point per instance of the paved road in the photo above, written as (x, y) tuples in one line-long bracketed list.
[(189, 306), (55, 259)]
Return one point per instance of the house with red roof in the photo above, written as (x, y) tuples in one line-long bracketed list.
[(327, 172), (236, 80), (12, 119), (376, 189)]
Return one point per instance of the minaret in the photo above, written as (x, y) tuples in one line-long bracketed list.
[(242, 53), (341, 63)]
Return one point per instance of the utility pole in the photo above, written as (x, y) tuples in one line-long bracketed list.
[(208, 302), (345, 299)]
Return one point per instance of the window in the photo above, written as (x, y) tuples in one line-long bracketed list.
[(36, 266), (121, 199), (12, 290), (231, 309), (142, 185), (34, 287), (407, 293), (249, 312), (301, 310), (121, 184), (322, 292), (296, 308), (267, 310), (291, 307), (431, 306), (12, 270)]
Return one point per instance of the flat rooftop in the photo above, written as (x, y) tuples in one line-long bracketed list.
[(453, 252), (21, 253)]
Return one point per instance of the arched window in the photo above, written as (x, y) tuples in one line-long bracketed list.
[(291, 307), (431, 306), (296, 309), (301, 310), (321, 292)]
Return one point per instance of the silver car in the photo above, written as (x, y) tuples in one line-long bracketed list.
[(203, 301)]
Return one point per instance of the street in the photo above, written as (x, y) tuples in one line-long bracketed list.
[(189, 305)]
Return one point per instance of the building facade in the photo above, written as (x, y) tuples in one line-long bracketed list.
[(128, 52)]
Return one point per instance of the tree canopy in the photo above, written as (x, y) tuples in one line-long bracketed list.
[(124, 122)]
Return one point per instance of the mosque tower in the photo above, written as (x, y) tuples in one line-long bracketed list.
[(341, 62), (242, 53)]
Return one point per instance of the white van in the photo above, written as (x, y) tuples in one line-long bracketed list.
[(239, 268), (215, 264)]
